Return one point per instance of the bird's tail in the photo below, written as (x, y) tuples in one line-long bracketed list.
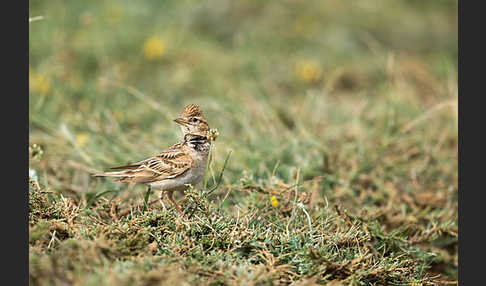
[(110, 174), (120, 176), (129, 173)]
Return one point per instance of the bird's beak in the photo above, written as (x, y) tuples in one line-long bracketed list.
[(181, 121)]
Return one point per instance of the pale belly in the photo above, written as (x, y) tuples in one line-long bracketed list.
[(192, 176)]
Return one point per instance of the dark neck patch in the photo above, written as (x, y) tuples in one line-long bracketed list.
[(198, 142)]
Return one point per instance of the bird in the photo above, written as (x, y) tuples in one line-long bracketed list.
[(178, 167)]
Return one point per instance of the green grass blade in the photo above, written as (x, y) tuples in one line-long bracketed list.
[(220, 174), (145, 201)]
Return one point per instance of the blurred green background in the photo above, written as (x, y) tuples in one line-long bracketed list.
[(356, 97), (113, 74)]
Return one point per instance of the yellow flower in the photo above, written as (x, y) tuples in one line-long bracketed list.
[(153, 48), (274, 201), (81, 139), (38, 83), (308, 71)]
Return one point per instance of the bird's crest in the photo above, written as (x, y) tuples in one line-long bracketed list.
[(191, 110)]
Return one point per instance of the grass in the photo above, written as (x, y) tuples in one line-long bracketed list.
[(341, 122)]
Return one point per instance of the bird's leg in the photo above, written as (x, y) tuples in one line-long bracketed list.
[(161, 201), (169, 195)]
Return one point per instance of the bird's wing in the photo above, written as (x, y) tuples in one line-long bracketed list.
[(165, 165)]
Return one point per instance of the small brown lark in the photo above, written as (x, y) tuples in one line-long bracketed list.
[(179, 166)]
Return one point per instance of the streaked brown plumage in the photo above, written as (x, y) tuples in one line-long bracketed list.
[(177, 167)]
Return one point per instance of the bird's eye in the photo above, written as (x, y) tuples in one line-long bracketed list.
[(194, 119)]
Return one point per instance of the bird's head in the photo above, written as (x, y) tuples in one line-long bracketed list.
[(193, 121)]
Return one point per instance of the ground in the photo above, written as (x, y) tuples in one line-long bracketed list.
[(336, 161)]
